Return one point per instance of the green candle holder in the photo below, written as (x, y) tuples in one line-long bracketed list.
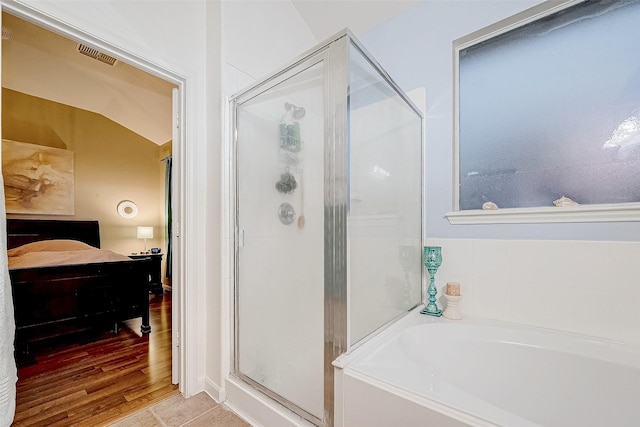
[(432, 258)]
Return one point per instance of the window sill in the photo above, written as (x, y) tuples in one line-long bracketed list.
[(621, 212)]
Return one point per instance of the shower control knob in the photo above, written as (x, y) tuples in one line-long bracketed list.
[(286, 213)]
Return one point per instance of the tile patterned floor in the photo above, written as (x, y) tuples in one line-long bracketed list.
[(197, 411)]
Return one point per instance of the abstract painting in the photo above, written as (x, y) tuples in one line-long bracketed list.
[(37, 179)]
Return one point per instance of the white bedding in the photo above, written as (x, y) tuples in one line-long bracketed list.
[(8, 370)]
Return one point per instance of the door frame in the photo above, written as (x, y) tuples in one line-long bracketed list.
[(179, 350)]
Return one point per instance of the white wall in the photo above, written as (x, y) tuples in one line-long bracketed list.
[(215, 322)]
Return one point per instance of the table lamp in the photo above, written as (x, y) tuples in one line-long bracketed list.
[(145, 233)]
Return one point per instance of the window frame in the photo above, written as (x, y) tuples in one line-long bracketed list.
[(623, 212)]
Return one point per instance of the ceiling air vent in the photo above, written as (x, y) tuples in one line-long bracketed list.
[(96, 54)]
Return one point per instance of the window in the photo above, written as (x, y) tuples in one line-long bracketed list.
[(548, 116)]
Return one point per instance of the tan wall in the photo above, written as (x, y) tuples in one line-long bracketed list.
[(111, 163)]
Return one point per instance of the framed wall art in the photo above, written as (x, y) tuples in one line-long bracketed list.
[(37, 179)]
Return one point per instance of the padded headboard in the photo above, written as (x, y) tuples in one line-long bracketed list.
[(23, 231)]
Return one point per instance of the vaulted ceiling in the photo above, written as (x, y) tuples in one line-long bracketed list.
[(40, 63), (326, 17)]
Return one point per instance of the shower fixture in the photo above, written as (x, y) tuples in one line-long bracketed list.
[(290, 128), (286, 213), (287, 183), (296, 112)]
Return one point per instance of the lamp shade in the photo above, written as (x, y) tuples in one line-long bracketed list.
[(145, 232)]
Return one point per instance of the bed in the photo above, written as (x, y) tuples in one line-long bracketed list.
[(53, 301)]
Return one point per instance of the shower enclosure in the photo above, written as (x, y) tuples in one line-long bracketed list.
[(328, 219)]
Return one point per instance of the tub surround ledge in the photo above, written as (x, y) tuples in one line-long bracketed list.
[(477, 372)]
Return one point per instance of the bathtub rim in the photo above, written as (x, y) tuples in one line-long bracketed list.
[(344, 365), (415, 318), (359, 349)]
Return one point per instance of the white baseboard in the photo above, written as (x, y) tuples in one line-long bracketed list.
[(217, 393)]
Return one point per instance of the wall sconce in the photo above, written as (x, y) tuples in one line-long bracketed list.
[(127, 209), (145, 233)]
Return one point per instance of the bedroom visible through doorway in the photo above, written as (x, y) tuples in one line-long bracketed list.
[(110, 176)]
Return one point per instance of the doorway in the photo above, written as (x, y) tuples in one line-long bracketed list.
[(171, 310)]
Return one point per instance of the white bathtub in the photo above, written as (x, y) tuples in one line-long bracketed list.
[(429, 371)]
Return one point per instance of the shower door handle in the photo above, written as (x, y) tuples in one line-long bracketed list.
[(240, 238)]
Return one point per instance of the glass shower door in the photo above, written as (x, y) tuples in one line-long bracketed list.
[(280, 220), (385, 203)]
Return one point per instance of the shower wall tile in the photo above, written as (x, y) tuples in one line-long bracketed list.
[(531, 304), (491, 260), (623, 258), (378, 283), (456, 267), (582, 311), (584, 287), (236, 80), (624, 318), (490, 299), (535, 262)]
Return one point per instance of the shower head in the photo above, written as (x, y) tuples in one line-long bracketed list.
[(296, 112)]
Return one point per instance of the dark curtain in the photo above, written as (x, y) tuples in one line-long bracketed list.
[(167, 199)]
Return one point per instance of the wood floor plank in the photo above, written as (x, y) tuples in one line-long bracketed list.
[(92, 383), (121, 411), (47, 403)]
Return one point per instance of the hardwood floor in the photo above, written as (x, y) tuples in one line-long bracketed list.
[(94, 383)]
